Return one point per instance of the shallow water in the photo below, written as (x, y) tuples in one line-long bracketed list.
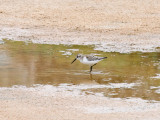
[(119, 76)]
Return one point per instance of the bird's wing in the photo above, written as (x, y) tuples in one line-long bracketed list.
[(94, 58)]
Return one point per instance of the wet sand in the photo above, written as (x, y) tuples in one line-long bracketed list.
[(121, 26)]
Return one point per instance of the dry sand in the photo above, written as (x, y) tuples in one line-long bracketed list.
[(57, 103), (112, 25)]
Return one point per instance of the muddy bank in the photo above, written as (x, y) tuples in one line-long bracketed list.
[(112, 26), (62, 103)]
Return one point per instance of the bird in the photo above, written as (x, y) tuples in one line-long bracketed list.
[(90, 60)]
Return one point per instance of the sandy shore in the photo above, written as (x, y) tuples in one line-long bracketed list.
[(121, 26), (111, 25), (58, 103)]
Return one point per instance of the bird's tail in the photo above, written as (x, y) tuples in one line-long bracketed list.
[(104, 57)]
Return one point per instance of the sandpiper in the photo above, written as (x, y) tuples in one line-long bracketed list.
[(88, 59)]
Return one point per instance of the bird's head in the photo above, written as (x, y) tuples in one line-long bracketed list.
[(77, 57)]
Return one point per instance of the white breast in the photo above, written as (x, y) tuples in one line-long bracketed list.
[(85, 61)]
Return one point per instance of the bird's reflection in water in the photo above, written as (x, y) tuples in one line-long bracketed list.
[(91, 78)]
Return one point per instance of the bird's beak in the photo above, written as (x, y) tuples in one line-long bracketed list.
[(74, 60)]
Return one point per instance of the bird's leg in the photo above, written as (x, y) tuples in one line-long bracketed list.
[(92, 67), (94, 64)]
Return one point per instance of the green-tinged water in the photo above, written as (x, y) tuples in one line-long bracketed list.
[(124, 75)]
